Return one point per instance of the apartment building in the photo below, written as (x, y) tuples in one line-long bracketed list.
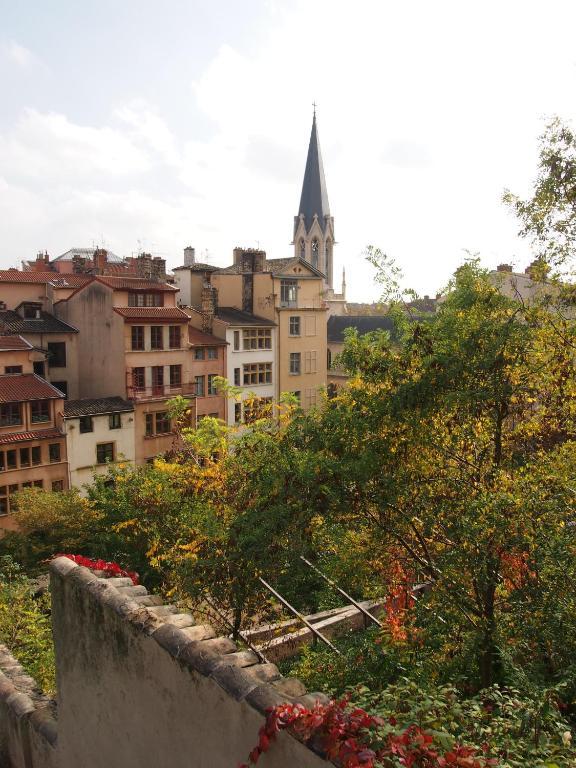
[(289, 294), (250, 348), (137, 349), (208, 362), (99, 432), (32, 442)]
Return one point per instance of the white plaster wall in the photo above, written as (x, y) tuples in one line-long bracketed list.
[(241, 357), (82, 447), (182, 281)]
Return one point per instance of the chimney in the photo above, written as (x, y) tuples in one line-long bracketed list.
[(189, 256), (100, 260), (504, 268), (249, 259), (208, 305)]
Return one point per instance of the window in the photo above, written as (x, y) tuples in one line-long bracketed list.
[(36, 455), (86, 424), (57, 354), (175, 375), (259, 408), (104, 453), (288, 293), (174, 337), (40, 411), (38, 483), (2, 464), (54, 452), (236, 377), (149, 424), (199, 353), (294, 326), (3, 501), (212, 388), (24, 457), (27, 484), (257, 338), (156, 337), (295, 363), (39, 368), (11, 459), (257, 373), (315, 253), (163, 425), (212, 353), (237, 413), (199, 386), (138, 378), (236, 341), (13, 369), (297, 395), (158, 379), (145, 300), (137, 337), (57, 485), (302, 249), (31, 311), (114, 421), (10, 414), (310, 365), (62, 386), (13, 489)]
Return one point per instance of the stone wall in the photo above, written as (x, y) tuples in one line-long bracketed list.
[(141, 685)]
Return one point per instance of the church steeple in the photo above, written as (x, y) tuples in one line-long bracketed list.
[(314, 227)]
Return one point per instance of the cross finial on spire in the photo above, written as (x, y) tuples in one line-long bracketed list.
[(314, 105)]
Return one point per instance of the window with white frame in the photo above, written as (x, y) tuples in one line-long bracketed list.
[(257, 373), (257, 338)]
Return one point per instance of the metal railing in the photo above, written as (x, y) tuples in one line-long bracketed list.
[(159, 391)]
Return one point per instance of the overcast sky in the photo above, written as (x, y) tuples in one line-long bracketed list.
[(138, 124)]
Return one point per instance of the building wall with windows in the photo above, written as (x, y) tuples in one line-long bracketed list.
[(32, 443), (251, 369), (95, 439), (207, 361)]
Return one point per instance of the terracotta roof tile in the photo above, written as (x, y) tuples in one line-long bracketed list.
[(134, 283), (160, 314), (199, 338), (16, 388), (13, 342), (42, 434), (11, 321), (60, 279)]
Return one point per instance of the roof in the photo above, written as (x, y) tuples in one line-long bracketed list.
[(46, 323), (271, 266), (96, 406), (233, 316), (15, 388), (19, 437), (13, 342), (198, 267), (58, 279), (337, 324), (86, 253), (161, 314), (134, 283), (314, 197), (199, 338)]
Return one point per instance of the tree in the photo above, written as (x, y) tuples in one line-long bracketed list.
[(548, 218)]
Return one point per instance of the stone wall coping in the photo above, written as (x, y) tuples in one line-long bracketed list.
[(236, 671)]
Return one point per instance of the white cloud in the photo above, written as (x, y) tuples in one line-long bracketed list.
[(18, 54)]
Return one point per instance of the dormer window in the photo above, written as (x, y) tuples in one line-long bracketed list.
[(30, 311), (145, 299)]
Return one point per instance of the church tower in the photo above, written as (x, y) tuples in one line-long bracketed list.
[(314, 227)]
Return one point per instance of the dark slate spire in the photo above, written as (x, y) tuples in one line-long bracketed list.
[(314, 198)]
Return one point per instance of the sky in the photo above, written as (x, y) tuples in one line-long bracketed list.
[(138, 125)]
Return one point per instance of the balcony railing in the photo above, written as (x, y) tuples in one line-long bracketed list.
[(160, 391)]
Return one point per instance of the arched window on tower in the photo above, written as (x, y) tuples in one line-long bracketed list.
[(328, 252), (315, 249), (302, 248)]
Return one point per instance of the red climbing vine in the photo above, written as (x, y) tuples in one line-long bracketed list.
[(112, 569), (355, 738)]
